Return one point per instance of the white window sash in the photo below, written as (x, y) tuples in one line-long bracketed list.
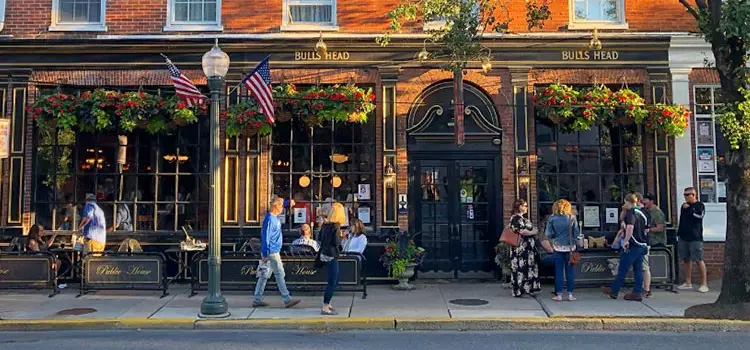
[(58, 25), (289, 22), (174, 25), (712, 117), (576, 23)]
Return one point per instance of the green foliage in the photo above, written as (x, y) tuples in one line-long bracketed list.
[(401, 251), (458, 39), (735, 123)]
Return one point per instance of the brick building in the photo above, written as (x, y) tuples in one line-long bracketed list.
[(457, 197)]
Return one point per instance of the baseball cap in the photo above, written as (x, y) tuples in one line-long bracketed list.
[(650, 197)]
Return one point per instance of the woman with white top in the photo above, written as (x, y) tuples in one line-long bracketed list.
[(355, 241)]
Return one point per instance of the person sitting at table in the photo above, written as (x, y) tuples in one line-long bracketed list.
[(35, 242), (355, 240), (123, 220), (305, 243)]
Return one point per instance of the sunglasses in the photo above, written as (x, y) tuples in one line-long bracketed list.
[(688, 194)]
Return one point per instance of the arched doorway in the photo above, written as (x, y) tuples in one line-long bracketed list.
[(456, 191)]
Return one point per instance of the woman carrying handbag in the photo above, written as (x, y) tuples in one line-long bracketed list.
[(328, 255), (524, 278), (561, 230)]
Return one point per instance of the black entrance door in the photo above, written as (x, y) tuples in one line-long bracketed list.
[(457, 212)]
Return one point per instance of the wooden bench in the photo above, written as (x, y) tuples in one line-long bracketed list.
[(238, 272)]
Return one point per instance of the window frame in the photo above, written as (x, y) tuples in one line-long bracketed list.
[(620, 23), (58, 26), (173, 25), (712, 118), (287, 25)]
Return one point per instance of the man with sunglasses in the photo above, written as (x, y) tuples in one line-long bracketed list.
[(690, 244)]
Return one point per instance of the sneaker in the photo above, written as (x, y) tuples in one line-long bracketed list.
[(703, 289), (685, 286), (571, 297), (331, 312), (260, 304), (291, 303), (647, 294), (557, 298), (62, 286), (633, 297), (608, 291)]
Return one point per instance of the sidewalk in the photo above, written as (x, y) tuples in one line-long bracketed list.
[(430, 305)]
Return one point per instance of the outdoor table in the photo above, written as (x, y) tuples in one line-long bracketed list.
[(184, 259)]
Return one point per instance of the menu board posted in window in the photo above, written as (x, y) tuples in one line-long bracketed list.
[(363, 192), (363, 214), (706, 160), (4, 138), (300, 215), (708, 189), (590, 216), (612, 216), (705, 133)]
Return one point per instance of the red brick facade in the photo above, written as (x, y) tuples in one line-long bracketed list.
[(31, 18)]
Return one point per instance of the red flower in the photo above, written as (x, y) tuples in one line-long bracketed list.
[(181, 105), (372, 97), (318, 106)]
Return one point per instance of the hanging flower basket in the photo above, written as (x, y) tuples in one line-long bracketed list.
[(631, 107), (599, 106), (246, 119), (285, 99), (55, 109), (670, 120), (557, 101)]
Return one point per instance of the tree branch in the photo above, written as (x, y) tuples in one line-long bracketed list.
[(690, 9)]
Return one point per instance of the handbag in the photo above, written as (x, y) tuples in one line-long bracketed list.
[(575, 256), (510, 237)]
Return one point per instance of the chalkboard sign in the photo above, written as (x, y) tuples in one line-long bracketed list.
[(600, 267), (299, 271), (25, 270), (138, 269)]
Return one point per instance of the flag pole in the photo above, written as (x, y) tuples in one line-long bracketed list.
[(245, 76)]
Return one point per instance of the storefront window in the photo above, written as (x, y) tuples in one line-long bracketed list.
[(593, 169), (711, 147), (336, 161), (142, 182)]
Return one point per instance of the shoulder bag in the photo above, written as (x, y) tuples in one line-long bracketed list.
[(575, 256), (510, 237)]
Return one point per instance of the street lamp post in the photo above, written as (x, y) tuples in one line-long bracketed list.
[(215, 65)]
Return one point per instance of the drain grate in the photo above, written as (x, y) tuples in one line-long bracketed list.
[(76, 311), (469, 302)]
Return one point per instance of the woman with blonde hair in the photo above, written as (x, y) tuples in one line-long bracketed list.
[(562, 229)]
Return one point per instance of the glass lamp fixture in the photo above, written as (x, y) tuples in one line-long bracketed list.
[(215, 62)]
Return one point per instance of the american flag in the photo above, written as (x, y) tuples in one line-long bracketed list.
[(184, 87), (259, 84)]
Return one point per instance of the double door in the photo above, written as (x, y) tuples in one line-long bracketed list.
[(457, 214)]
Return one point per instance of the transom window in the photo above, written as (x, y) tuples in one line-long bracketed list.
[(309, 13), (711, 147), (194, 15), (602, 13), (78, 15)]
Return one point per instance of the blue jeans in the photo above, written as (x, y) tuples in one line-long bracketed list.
[(562, 265), (333, 280), (276, 267), (633, 257)]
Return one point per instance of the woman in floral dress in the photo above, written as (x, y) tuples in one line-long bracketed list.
[(524, 267)]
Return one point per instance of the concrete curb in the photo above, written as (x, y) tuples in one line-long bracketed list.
[(389, 323)]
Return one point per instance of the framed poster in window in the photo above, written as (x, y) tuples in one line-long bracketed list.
[(706, 161), (708, 189), (705, 133)]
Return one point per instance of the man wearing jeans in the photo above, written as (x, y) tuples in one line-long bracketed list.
[(270, 246), (634, 248)]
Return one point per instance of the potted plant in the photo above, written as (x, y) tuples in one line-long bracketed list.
[(285, 99), (55, 109), (401, 257), (670, 120), (599, 106), (246, 119), (632, 107), (502, 259), (558, 102)]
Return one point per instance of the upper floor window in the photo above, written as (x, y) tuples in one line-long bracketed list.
[(309, 15), (78, 15), (585, 14), (193, 15)]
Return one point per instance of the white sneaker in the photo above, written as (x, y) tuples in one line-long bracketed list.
[(685, 286), (703, 289)]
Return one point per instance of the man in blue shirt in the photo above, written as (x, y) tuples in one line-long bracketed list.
[(271, 241), (94, 226)]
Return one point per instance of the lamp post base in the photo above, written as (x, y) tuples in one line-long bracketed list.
[(214, 307)]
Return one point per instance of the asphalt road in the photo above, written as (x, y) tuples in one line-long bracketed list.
[(285, 340)]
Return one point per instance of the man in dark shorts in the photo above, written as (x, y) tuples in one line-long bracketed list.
[(690, 244)]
